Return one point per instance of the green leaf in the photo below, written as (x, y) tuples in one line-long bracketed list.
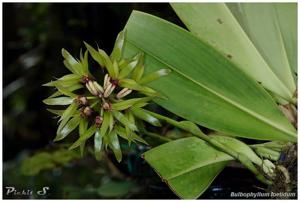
[(154, 75), (115, 145), (122, 105), (67, 114), (46, 161), (58, 101), (204, 87), (142, 114), (272, 27), (117, 51), (239, 147), (67, 80), (57, 112), (68, 128), (105, 124), (83, 126), (114, 189), (71, 63), (133, 85), (213, 23), (97, 143), (95, 55), (84, 62), (65, 91), (128, 68), (70, 88), (122, 119), (139, 69), (188, 165), (89, 133)]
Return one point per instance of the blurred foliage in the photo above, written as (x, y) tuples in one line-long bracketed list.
[(47, 161)]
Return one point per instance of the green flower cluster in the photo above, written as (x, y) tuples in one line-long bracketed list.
[(103, 111)]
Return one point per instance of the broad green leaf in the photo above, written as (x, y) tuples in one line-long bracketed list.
[(117, 51), (213, 23), (58, 101), (88, 133), (187, 165), (122, 119), (67, 128), (142, 114), (272, 27), (154, 75), (115, 145), (122, 105), (204, 86)]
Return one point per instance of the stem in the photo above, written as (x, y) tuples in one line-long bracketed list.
[(193, 129), (156, 136)]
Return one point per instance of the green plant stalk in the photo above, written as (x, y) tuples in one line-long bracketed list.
[(156, 136), (242, 158)]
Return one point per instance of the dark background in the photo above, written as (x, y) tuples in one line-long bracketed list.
[(33, 35)]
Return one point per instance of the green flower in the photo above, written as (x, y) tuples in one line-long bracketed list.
[(101, 109)]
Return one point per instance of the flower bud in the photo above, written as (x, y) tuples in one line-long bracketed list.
[(98, 87), (86, 111), (106, 81), (123, 93), (82, 100), (98, 121), (106, 106), (110, 88)]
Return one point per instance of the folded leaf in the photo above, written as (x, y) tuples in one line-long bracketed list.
[(204, 87), (188, 165)]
